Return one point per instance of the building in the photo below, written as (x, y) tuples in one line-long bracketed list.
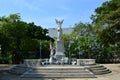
[(53, 31)]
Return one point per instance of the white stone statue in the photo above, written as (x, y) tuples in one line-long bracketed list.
[(51, 53), (59, 52), (59, 29), (51, 56)]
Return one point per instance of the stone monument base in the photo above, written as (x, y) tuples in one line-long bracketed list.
[(58, 71), (32, 62), (32, 68), (83, 62), (59, 55)]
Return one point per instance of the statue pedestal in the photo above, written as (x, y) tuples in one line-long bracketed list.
[(85, 62), (59, 56)]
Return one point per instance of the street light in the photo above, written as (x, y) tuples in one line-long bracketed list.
[(79, 51), (40, 48), (0, 50), (69, 46), (69, 51)]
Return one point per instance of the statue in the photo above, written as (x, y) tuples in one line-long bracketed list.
[(59, 52), (51, 56), (59, 29), (51, 53)]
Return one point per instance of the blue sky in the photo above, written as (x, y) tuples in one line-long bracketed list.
[(44, 12)]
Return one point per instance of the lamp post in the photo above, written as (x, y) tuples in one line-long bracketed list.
[(69, 46), (0, 50), (40, 48), (79, 51)]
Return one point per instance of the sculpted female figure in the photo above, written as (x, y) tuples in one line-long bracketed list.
[(59, 29)]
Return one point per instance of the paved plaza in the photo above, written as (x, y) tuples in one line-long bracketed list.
[(115, 75)]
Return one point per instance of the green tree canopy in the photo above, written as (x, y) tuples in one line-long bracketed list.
[(18, 39), (107, 22)]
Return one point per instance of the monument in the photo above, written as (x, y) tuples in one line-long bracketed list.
[(59, 54), (35, 69)]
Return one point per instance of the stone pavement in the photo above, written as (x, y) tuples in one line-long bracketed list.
[(115, 75)]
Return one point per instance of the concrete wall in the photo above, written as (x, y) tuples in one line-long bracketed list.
[(53, 31)]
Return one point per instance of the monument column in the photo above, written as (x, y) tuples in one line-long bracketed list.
[(59, 55)]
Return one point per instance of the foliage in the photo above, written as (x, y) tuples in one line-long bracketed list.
[(83, 41), (99, 40), (107, 22), (83, 29), (107, 28), (19, 39)]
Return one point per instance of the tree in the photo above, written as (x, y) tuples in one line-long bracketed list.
[(107, 27), (85, 38), (19, 39), (84, 44), (107, 22), (83, 29)]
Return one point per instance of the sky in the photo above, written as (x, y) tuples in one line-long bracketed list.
[(44, 12)]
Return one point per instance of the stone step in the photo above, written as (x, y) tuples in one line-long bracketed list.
[(58, 68), (102, 72), (60, 71), (96, 66), (58, 75), (99, 69), (18, 70)]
